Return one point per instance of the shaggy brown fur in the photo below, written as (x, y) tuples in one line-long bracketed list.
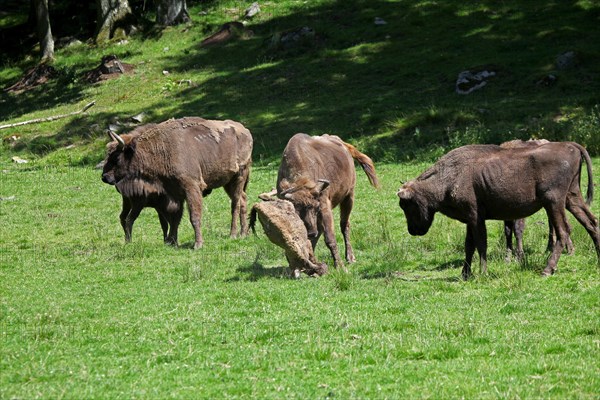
[(285, 229), (184, 159), (479, 182), (317, 174)]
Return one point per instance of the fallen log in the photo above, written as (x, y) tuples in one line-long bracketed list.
[(48, 119)]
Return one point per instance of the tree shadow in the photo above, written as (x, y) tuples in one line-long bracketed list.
[(389, 87)]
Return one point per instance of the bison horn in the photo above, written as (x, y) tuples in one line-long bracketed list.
[(116, 138), (324, 184), (268, 196)]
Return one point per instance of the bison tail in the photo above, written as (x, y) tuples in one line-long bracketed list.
[(252, 221), (588, 163), (365, 162)]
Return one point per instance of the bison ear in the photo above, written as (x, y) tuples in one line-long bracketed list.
[(405, 193), (129, 149), (323, 184)]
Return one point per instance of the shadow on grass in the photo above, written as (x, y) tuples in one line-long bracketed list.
[(256, 271)]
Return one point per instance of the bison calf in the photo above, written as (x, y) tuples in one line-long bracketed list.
[(186, 158), (317, 174), (285, 229), (473, 184)]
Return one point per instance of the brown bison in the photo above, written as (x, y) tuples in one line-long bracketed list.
[(284, 228), (517, 228), (138, 194), (479, 182), (316, 174), (181, 160)]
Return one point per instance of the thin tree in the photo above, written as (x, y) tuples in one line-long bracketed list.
[(113, 19), (44, 30), (171, 12)]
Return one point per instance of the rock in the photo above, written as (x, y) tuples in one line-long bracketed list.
[(252, 10), (19, 160), (469, 81), (139, 118), (566, 60), (380, 21)]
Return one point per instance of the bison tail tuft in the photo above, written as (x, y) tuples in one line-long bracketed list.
[(365, 162), (252, 221)]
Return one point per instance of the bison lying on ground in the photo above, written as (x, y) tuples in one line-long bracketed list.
[(517, 227), (182, 160), (285, 229), (316, 174), (479, 182)]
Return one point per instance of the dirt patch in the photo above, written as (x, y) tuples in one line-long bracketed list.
[(33, 77)]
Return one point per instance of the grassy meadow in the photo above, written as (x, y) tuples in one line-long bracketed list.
[(84, 315)]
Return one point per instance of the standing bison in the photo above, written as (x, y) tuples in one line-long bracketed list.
[(479, 182), (163, 165), (517, 228), (316, 174)]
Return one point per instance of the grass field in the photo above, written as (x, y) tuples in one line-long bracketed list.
[(84, 315)]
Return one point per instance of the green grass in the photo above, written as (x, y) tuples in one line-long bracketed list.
[(84, 315)]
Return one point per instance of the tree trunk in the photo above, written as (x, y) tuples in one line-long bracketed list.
[(42, 17), (113, 19), (171, 12)]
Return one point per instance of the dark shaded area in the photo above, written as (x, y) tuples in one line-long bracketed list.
[(256, 271), (372, 96)]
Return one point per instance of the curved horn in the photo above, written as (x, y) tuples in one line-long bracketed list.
[(324, 184), (117, 138)]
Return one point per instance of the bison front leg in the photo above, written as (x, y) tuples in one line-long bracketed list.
[(469, 251), (329, 233), (125, 209), (129, 219)]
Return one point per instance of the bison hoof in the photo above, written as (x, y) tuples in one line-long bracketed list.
[(547, 272)]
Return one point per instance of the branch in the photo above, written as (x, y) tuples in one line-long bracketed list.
[(47, 119)]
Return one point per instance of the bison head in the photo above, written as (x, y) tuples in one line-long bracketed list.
[(308, 198), (419, 216), (118, 158)]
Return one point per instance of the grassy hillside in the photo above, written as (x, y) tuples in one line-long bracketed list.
[(389, 88)]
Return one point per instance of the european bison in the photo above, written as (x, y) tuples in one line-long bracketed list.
[(284, 228), (182, 160), (316, 174), (479, 182), (517, 228), (138, 194)]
